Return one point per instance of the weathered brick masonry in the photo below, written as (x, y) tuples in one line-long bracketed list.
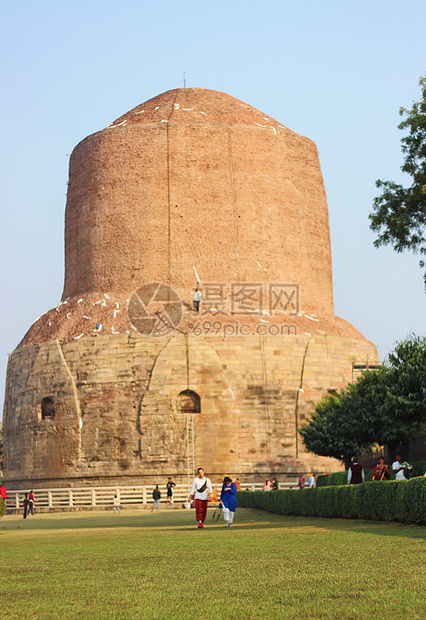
[(191, 178)]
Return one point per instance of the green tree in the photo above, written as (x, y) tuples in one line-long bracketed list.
[(403, 409), (399, 213), (387, 407), (341, 426)]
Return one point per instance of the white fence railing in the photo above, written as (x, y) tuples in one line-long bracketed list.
[(93, 497)]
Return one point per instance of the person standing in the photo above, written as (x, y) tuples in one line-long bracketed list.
[(201, 491), (400, 469), (266, 486), (238, 484), (3, 492), (169, 487), (228, 497), (301, 482), (312, 482), (355, 472), (116, 504), (3, 495), (31, 503), (274, 485), (26, 502), (381, 471), (197, 299), (156, 495)]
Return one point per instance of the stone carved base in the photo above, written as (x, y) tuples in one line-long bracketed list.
[(116, 416)]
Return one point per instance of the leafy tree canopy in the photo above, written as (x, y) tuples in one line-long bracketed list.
[(404, 404), (327, 434), (387, 407), (399, 214), (344, 424)]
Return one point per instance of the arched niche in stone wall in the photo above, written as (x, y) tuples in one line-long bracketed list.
[(188, 401), (47, 408)]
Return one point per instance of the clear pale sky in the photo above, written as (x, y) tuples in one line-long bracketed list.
[(336, 72)]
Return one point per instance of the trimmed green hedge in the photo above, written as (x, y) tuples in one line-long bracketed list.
[(419, 468), (2, 507), (401, 501), (341, 477)]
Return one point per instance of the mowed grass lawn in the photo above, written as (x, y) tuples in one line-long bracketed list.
[(159, 565)]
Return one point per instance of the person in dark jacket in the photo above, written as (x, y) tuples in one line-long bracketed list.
[(26, 504), (156, 494), (355, 472), (170, 484)]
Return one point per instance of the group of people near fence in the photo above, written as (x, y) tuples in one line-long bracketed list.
[(269, 485), (401, 470), (28, 502), (312, 481), (156, 494), (273, 485)]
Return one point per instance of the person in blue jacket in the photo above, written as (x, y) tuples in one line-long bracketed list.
[(228, 497)]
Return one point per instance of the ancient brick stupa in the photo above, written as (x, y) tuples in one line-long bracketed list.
[(122, 381)]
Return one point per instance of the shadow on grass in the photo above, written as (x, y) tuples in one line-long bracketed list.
[(178, 520)]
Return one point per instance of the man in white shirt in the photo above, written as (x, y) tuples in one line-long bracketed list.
[(201, 490), (197, 299), (399, 468), (312, 481)]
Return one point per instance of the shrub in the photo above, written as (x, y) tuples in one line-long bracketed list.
[(326, 480), (2, 507), (340, 478), (403, 501), (419, 469)]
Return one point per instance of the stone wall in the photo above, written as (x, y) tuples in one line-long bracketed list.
[(116, 417)]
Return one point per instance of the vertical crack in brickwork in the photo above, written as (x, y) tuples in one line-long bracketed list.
[(265, 391), (296, 419), (234, 204), (169, 223), (150, 373), (75, 396), (187, 361)]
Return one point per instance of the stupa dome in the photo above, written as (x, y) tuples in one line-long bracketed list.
[(113, 385), (197, 178)]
